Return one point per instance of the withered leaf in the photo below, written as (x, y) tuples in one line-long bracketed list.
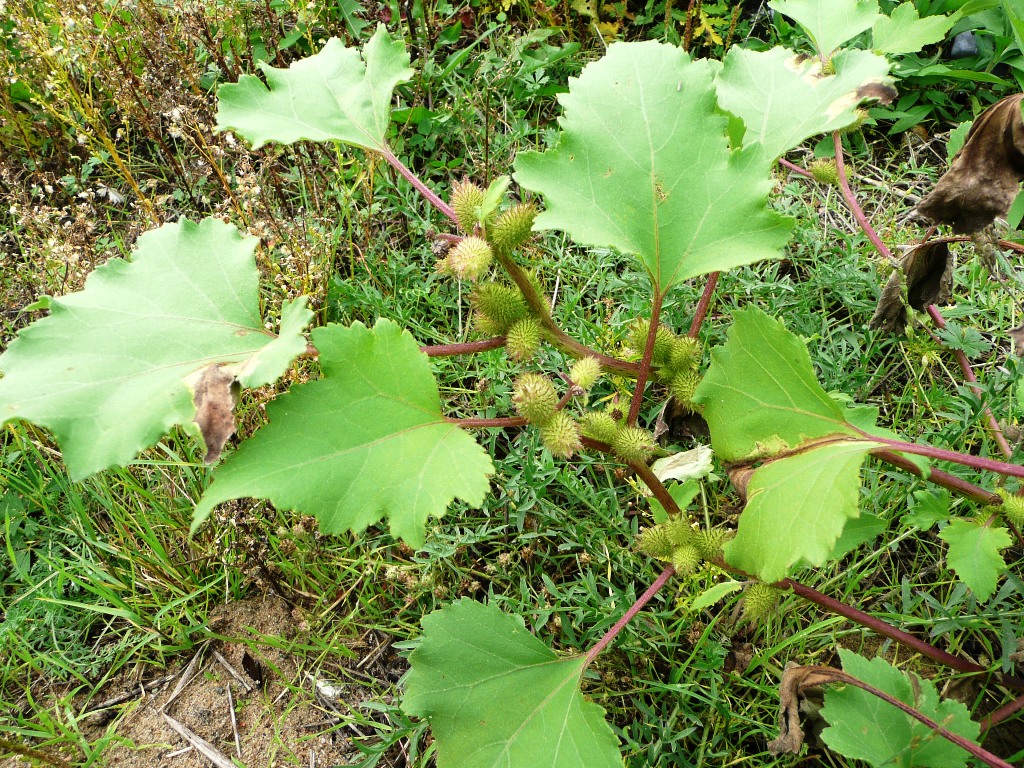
[(1017, 337), (216, 393), (252, 668), (928, 271), (985, 174), (796, 680)]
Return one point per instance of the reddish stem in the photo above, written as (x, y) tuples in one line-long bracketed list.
[(943, 479), (645, 361), (702, 306), (982, 754), (972, 381), (465, 348), (851, 201), (500, 421), (431, 196), (795, 168), (628, 615), (941, 454), (1002, 713)]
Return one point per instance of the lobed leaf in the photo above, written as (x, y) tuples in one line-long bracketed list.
[(830, 24), (115, 366), (644, 165), (974, 554), (904, 31), (863, 726), (365, 442), (336, 94), (497, 696)]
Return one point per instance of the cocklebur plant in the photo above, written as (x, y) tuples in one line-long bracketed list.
[(166, 339)]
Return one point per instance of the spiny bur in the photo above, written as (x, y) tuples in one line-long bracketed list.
[(684, 355), (561, 435), (824, 171), (513, 227), (535, 398), (663, 340), (599, 425), (680, 531), (760, 601), (686, 559), (1012, 507), (471, 258), (523, 338), (654, 542), (501, 305), (467, 197), (683, 385), (585, 372), (709, 542), (633, 444)]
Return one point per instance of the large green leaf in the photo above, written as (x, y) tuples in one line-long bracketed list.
[(334, 95), (113, 367), (760, 395), (365, 442), (830, 23), (797, 508), (904, 31), (864, 727), (497, 696), (783, 100), (975, 554), (644, 165)]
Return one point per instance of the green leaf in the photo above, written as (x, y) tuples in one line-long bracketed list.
[(830, 23), (784, 100), (760, 394), (365, 442), (857, 531), (797, 508), (928, 508), (682, 494), (974, 554), (497, 696), (712, 595), (903, 31), (492, 198), (334, 95), (627, 172), (109, 371), (1016, 212), (863, 726)]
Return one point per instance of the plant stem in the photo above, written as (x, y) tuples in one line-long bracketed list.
[(645, 361), (499, 421), (941, 454), (702, 306), (943, 479), (1002, 713), (634, 609), (851, 201), (982, 754), (657, 488), (796, 168), (431, 196), (972, 382), (465, 348), (33, 754)]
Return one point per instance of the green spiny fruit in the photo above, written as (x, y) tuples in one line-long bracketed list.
[(503, 305), (862, 116), (1012, 507), (487, 325), (680, 531), (471, 258), (760, 601), (523, 339), (683, 385), (709, 542), (663, 340), (824, 171), (685, 559), (633, 444), (599, 425), (685, 354), (828, 67), (585, 372), (535, 398), (654, 542), (561, 435), (513, 227), (467, 197)]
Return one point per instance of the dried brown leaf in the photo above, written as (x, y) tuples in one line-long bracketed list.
[(1017, 337), (796, 680), (985, 175), (216, 393), (928, 271)]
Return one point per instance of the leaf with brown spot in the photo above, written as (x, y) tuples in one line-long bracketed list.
[(796, 681), (986, 173), (216, 394), (928, 274)]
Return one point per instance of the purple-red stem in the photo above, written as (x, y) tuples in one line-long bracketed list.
[(942, 479), (418, 185), (795, 168), (466, 348), (851, 201), (499, 421), (1005, 711), (972, 381), (702, 306), (982, 754), (627, 617), (941, 454), (645, 361)]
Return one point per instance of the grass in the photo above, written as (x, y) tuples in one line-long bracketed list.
[(99, 577)]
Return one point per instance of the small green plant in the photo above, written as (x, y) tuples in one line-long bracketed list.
[(665, 159)]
